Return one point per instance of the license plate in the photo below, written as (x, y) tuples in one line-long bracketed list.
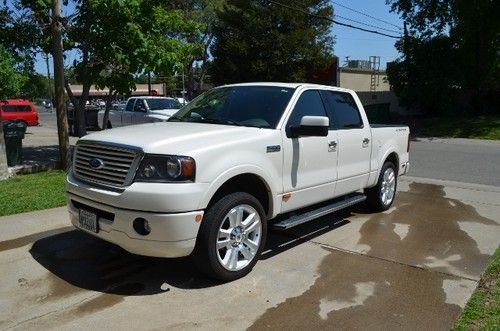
[(88, 220)]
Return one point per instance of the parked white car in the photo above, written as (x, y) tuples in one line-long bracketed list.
[(232, 163), (140, 110)]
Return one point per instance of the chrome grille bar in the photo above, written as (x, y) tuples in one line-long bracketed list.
[(106, 164)]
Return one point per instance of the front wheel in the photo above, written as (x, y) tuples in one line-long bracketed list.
[(381, 196), (231, 237)]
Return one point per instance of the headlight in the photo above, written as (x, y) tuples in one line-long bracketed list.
[(166, 168)]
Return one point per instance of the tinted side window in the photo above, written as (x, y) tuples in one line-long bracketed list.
[(309, 104), (140, 106), (345, 112), (16, 108), (130, 105)]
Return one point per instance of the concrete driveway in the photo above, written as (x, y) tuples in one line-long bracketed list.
[(412, 267)]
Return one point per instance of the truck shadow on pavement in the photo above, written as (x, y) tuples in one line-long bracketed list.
[(77, 261)]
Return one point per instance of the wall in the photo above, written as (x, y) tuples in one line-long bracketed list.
[(360, 80)]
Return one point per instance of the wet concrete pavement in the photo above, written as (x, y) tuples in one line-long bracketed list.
[(412, 267)]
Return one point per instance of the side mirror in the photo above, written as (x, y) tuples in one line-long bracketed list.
[(311, 126)]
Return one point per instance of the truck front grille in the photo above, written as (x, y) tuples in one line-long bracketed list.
[(105, 164)]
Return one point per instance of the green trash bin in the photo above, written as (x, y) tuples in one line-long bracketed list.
[(14, 134)]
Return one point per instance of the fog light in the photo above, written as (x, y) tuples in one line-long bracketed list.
[(141, 226), (146, 226)]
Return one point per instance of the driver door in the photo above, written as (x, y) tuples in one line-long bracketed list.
[(140, 112), (128, 112)]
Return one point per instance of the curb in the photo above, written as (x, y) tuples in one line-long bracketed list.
[(31, 167)]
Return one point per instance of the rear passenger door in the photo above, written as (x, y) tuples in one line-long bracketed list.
[(354, 142)]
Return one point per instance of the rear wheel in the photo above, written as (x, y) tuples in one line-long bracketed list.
[(381, 196), (231, 237)]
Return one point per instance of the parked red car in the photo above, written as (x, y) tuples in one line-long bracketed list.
[(19, 110)]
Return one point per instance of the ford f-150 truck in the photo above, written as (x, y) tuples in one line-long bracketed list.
[(235, 161), (140, 110)]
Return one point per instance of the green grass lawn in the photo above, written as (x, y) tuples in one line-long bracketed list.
[(482, 127), (32, 192), (483, 309)]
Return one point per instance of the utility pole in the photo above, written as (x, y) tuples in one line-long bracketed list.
[(49, 85), (57, 55), (405, 40), (183, 92), (149, 82)]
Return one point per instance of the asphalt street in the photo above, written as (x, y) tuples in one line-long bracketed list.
[(463, 160)]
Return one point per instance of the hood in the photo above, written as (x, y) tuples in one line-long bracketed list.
[(175, 137), (164, 112)]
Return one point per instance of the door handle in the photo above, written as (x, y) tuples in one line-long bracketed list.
[(366, 141), (332, 146)]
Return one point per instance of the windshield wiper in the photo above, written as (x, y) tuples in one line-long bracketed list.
[(174, 119)]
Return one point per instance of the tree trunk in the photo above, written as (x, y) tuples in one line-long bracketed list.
[(4, 169), (105, 118), (57, 54), (190, 80), (80, 123), (204, 66)]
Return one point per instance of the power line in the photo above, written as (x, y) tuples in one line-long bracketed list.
[(366, 24), (334, 21), (364, 14)]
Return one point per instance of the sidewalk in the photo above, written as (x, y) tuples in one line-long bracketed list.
[(40, 150)]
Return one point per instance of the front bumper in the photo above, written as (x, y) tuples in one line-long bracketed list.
[(152, 197), (172, 234)]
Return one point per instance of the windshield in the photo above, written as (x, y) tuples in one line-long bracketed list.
[(255, 106), (159, 104)]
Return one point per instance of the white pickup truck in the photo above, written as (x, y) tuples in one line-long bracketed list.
[(235, 161), (140, 110)]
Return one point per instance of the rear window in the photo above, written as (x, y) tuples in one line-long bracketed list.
[(160, 104), (345, 112), (16, 108)]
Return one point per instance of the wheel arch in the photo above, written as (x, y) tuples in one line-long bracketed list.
[(248, 182), (394, 158)]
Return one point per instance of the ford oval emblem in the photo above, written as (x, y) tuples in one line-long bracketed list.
[(96, 163)]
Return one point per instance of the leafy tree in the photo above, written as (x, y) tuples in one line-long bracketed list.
[(114, 40), (262, 40), (11, 82), (450, 59), (132, 37), (203, 12)]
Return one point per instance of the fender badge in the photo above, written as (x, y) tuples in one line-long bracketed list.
[(274, 148)]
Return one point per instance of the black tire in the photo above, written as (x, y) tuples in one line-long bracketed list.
[(205, 254), (374, 197)]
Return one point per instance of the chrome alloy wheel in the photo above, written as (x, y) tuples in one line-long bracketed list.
[(239, 237), (388, 187)]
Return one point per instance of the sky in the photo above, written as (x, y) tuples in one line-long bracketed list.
[(358, 45)]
